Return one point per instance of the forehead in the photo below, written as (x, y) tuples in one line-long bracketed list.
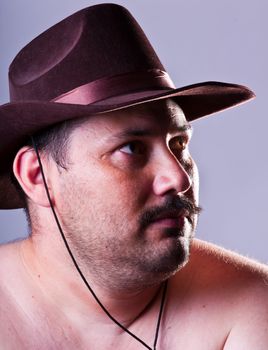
[(164, 115)]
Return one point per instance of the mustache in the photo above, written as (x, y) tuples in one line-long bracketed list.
[(174, 206)]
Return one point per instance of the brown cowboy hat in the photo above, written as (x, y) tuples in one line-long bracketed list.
[(96, 60)]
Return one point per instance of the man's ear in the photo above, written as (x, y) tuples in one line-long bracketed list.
[(27, 171)]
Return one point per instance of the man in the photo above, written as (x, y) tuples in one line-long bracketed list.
[(95, 145)]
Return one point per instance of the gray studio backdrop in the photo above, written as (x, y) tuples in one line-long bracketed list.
[(196, 41)]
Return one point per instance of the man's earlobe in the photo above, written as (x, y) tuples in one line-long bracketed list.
[(27, 172)]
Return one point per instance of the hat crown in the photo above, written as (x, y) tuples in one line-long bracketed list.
[(94, 43)]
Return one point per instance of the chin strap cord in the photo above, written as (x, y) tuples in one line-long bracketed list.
[(83, 277)]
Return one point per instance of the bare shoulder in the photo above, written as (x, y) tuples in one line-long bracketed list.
[(10, 272), (9, 256), (230, 274), (218, 260), (245, 284), (227, 292), (10, 287)]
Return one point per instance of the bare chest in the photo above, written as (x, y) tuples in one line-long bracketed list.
[(55, 334), (43, 328)]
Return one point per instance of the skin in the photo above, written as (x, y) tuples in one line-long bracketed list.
[(119, 166)]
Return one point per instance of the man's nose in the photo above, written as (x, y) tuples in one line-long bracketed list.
[(170, 176)]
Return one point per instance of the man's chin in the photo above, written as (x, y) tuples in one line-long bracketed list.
[(171, 256)]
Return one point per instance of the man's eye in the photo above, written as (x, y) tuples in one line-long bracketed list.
[(179, 143), (135, 148)]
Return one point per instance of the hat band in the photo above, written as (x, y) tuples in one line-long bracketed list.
[(153, 79)]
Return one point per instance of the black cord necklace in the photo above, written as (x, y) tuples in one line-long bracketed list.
[(164, 287)]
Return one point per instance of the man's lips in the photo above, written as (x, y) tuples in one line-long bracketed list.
[(169, 222), (171, 219)]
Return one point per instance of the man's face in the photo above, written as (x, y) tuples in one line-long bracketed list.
[(119, 199)]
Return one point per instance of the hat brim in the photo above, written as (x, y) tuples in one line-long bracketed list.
[(19, 120)]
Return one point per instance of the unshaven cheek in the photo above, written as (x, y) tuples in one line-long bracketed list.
[(195, 183)]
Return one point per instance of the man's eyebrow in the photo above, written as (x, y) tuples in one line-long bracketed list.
[(146, 131), (186, 128), (183, 128)]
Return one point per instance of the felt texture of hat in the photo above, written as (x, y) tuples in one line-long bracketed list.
[(94, 61)]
